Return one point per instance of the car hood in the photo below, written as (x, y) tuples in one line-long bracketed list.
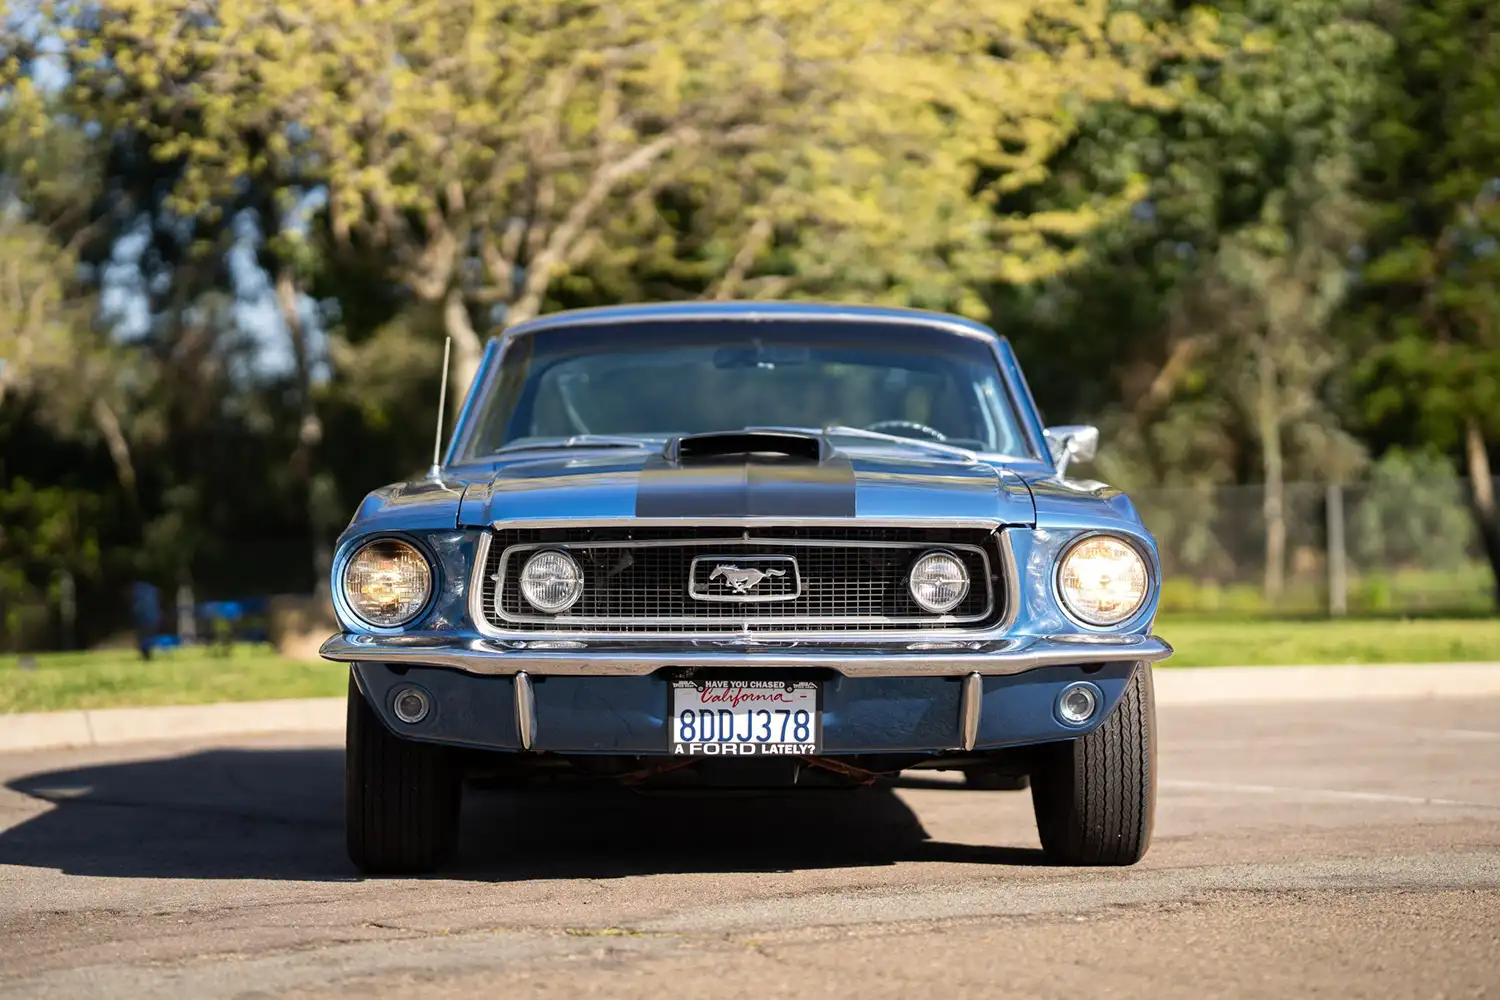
[(614, 485)]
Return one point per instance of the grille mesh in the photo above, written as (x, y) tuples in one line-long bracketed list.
[(643, 586)]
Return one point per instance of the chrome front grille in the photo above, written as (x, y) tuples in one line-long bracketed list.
[(645, 579)]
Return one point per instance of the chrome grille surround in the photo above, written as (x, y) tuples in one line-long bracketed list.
[(852, 579)]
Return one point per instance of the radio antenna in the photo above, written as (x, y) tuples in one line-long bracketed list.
[(437, 444)]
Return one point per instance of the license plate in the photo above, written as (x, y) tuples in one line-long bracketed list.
[(745, 718)]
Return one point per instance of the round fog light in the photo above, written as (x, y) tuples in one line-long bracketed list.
[(411, 705), (1078, 703)]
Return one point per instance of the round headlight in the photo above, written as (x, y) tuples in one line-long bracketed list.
[(1102, 581), (551, 581), (938, 582), (387, 582)]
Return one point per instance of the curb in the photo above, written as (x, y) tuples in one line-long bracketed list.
[(1174, 686), (113, 726), (1372, 682)]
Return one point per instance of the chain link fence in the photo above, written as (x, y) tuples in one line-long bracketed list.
[(1399, 544), (1408, 546)]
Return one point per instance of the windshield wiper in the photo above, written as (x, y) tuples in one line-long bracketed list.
[(578, 441), (938, 446)]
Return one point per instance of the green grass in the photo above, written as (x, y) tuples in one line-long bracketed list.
[(1460, 591), (114, 678), (1220, 642)]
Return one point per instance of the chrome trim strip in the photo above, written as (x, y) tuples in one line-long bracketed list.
[(747, 598), (972, 704), (476, 585), (742, 539), (939, 625), (1010, 579), (853, 659), (525, 710), (985, 524), (829, 313)]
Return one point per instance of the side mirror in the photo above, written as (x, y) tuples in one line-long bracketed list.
[(1070, 442)]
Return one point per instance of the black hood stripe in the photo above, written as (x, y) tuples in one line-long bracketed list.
[(740, 488)]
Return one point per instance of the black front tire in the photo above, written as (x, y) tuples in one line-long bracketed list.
[(1095, 797), (401, 798)]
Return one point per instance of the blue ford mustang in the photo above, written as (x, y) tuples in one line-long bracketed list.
[(749, 545)]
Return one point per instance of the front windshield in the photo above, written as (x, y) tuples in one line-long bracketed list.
[(665, 379)]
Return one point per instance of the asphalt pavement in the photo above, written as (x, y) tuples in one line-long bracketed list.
[(1301, 849)]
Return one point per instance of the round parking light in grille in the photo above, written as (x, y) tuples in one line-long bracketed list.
[(1078, 703), (411, 705), (939, 582), (552, 581)]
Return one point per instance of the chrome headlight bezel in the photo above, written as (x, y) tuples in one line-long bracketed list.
[(351, 607), (938, 609), (555, 608), (1095, 624)]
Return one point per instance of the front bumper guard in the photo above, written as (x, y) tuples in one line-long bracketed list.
[(617, 658)]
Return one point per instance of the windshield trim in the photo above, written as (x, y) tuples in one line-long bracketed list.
[(615, 316)]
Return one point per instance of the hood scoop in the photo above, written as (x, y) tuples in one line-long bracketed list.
[(764, 446)]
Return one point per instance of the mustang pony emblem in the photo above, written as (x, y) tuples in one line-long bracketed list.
[(742, 581)]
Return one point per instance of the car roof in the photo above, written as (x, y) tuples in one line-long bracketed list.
[(751, 311)]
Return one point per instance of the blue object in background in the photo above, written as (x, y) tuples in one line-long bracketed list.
[(145, 610), (145, 605)]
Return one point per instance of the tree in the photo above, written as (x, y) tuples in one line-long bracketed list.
[(1427, 317), (1211, 302), (490, 149), (48, 184), (1282, 281)]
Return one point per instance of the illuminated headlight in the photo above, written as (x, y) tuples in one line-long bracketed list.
[(387, 582), (551, 582), (938, 582), (1102, 581)]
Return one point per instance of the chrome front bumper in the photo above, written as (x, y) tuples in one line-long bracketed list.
[(616, 658)]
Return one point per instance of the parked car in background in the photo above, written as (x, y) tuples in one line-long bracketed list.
[(757, 545)]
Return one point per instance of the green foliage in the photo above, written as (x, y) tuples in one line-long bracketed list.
[(44, 533), (1428, 313), (490, 150), (1237, 245), (1411, 512), (1162, 204)]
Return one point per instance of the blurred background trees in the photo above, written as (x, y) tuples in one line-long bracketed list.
[(1253, 239)]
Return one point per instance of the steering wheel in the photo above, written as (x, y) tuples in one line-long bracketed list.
[(908, 425)]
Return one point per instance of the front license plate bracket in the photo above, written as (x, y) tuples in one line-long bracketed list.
[(745, 718)]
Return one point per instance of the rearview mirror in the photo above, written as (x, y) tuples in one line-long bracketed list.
[(1071, 442), (760, 356)]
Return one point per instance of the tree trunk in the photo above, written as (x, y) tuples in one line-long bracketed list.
[(1273, 507), (310, 427), (119, 447), (1482, 498), (467, 347)]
